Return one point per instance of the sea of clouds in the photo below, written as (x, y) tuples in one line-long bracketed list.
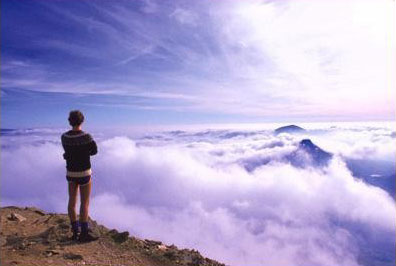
[(228, 192)]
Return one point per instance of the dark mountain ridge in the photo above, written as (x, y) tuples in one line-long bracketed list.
[(289, 129), (309, 154), (306, 154)]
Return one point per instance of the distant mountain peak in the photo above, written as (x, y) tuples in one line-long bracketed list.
[(308, 153), (308, 145), (289, 129)]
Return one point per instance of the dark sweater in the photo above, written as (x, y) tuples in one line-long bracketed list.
[(78, 146)]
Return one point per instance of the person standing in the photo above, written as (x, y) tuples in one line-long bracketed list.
[(79, 146)]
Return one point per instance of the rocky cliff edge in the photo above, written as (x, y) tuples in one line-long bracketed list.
[(30, 236)]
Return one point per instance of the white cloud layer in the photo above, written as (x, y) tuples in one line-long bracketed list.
[(193, 189)]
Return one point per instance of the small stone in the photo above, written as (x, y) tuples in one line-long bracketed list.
[(51, 252), (72, 256), (22, 245), (3, 241), (170, 254), (120, 237), (152, 242), (61, 220), (36, 210), (64, 226), (16, 217), (162, 247), (49, 218)]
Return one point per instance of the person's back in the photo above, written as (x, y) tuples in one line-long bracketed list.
[(78, 146)]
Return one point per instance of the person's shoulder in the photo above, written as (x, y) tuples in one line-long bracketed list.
[(89, 136), (66, 133), (76, 138), (74, 134)]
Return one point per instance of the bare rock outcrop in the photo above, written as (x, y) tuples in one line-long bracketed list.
[(30, 236)]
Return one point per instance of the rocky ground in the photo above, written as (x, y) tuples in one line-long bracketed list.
[(30, 236)]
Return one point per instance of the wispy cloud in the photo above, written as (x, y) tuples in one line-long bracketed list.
[(256, 58)]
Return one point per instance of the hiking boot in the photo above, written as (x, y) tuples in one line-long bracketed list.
[(74, 237), (87, 237)]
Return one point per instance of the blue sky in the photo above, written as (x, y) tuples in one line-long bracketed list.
[(190, 62)]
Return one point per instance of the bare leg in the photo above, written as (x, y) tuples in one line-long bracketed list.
[(71, 208), (85, 192)]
